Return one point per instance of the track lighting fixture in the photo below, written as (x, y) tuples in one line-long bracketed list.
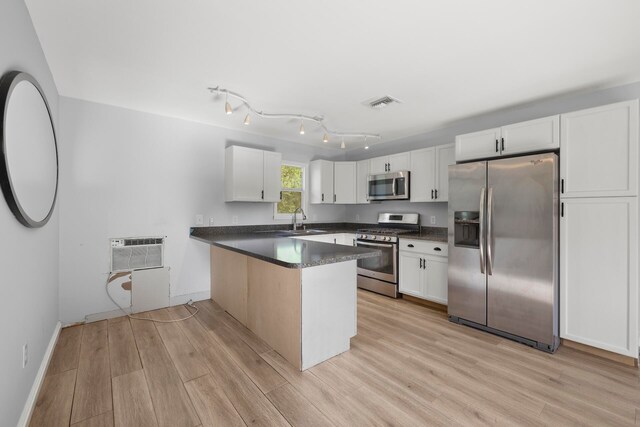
[(366, 147), (227, 106), (317, 119)]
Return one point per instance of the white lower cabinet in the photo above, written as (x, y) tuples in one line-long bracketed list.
[(599, 273), (423, 270)]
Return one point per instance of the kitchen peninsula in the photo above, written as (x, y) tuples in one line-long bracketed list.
[(299, 296)]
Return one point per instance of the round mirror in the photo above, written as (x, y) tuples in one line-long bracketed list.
[(29, 163)]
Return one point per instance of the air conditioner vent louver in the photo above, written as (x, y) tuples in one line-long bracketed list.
[(129, 254), (382, 102)]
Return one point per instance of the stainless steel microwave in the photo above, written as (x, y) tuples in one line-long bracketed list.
[(389, 186)]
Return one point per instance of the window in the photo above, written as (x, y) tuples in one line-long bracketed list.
[(293, 197)]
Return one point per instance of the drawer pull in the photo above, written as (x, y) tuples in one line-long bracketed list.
[(410, 245), (437, 249)]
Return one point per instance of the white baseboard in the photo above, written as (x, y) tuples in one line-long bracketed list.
[(174, 300), (25, 417)]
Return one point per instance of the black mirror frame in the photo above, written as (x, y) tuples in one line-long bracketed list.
[(8, 82)]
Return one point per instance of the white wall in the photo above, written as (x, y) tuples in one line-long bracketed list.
[(28, 257), (127, 173), (547, 107)]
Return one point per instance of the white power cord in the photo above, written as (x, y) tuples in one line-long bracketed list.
[(189, 304)]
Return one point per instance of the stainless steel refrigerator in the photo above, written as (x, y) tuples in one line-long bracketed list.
[(503, 247)]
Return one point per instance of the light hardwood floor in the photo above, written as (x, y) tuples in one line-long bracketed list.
[(408, 366)]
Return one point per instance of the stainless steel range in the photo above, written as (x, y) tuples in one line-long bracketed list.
[(380, 274)]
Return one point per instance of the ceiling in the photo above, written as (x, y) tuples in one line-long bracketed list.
[(445, 60)]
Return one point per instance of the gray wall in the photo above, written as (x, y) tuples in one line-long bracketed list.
[(542, 108), (127, 173), (28, 257)]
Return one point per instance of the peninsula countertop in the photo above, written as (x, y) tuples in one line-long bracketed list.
[(285, 250)]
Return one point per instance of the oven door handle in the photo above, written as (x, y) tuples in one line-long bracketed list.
[(379, 245)]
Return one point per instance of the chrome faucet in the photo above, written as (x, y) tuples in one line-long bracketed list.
[(294, 220)]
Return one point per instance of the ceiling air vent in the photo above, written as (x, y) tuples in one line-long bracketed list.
[(380, 103)]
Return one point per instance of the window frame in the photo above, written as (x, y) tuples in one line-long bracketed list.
[(287, 216)]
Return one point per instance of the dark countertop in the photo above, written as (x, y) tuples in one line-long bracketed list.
[(272, 242), (285, 251), (427, 235)]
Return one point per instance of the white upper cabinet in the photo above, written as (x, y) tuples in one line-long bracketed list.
[(423, 175), (525, 137), (599, 273), (400, 162), (344, 182), (362, 181), (478, 145), (252, 175), (272, 176), (445, 156), (430, 173), (393, 163), (599, 153), (379, 165), (321, 182), (532, 135)]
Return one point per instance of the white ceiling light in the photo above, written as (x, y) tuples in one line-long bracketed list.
[(247, 120), (301, 117), (227, 106)]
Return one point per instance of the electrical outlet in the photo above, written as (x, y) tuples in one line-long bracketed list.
[(199, 219), (357, 217), (210, 221), (234, 220), (25, 355), (433, 219)]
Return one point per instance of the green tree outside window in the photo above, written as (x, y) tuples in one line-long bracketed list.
[(292, 187)]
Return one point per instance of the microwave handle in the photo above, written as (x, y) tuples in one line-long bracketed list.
[(395, 186)]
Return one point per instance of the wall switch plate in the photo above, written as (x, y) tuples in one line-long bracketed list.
[(433, 219), (210, 221), (199, 219), (234, 219), (25, 355)]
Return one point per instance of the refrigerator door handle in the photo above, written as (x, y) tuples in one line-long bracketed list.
[(481, 246), (489, 232)]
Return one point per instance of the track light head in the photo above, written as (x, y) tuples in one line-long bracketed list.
[(325, 139), (366, 147), (227, 106), (301, 128), (247, 120)]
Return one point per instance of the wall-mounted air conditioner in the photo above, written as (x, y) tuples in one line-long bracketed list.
[(138, 253)]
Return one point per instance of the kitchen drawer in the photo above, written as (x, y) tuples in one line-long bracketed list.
[(424, 247)]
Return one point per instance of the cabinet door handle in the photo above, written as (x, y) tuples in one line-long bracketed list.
[(562, 185), (497, 147), (334, 198), (410, 245), (281, 195), (432, 194), (420, 262), (502, 144), (323, 197), (262, 195), (437, 249), (436, 194), (562, 210)]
